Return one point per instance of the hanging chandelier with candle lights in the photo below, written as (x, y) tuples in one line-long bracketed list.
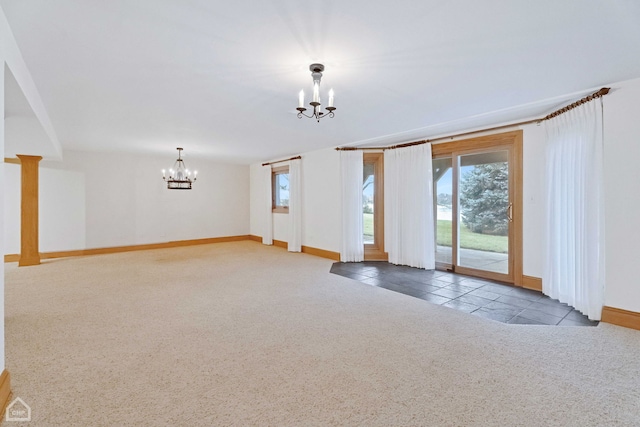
[(179, 175), (316, 104)]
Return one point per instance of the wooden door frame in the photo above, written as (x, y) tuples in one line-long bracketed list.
[(513, 142)]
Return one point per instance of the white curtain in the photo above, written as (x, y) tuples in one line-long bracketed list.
[(351, 174), (267, 207), (295, 204), (574, 265), (408, 206)]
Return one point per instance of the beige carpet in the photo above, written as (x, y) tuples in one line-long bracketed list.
[(243, 334)]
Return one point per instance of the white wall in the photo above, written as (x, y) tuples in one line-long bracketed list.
[(12, 66), (533, 200), (97, 200), (61, 213), (11, 199), (257, 221), (320, 202), (281, 226), (36, 122), (2, 167), (322, 205), (622, 195), (321, 198)]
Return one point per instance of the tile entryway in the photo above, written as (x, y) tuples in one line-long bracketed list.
[(484, 298)]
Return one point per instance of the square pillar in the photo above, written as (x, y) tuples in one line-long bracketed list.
[(29, 248)]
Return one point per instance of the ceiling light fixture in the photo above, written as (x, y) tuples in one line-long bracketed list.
[(179, 175), (316, 73)]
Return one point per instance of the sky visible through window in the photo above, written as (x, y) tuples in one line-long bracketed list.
[(368, 187), (445, 184), (282, 184)]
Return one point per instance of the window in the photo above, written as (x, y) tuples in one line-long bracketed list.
[(373, 207), (368, 202), (280, 189)]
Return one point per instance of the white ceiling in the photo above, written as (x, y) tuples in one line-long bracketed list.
[(23, 131), (221, 78)]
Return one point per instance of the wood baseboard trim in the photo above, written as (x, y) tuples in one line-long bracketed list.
[(25, 262), (322, 253), (533, 283), (117, 249), (280, 244), (12, 258), (374, 255), (617, 316), (334, 256), (5, 390)]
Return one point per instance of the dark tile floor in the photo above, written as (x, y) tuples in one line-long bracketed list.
[(484, 298)]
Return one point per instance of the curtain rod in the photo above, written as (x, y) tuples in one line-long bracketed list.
[(598, 94), (280, 161), (602, 92)]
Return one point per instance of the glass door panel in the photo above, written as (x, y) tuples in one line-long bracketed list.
[(368, 199), (443, 183), (484, 211)]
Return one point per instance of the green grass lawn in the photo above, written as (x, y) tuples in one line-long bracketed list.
[(470, 240), (368, 226)]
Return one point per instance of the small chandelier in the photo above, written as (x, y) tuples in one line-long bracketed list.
[(179, 176), (316, 73)]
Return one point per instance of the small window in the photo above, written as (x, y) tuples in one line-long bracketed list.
[(280, 189)]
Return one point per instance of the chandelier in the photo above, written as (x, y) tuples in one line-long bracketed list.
[(316, 74), (179, 175)]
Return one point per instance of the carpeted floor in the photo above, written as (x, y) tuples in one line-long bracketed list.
[(243, 334)]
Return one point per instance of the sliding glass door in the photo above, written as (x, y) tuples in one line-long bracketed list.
[(484, 211), (477, 191), (443, 183)]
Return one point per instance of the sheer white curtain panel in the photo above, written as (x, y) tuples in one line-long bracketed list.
[(408, 215), (295, 206), (574, 264), (351, 175), (267, 207)]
